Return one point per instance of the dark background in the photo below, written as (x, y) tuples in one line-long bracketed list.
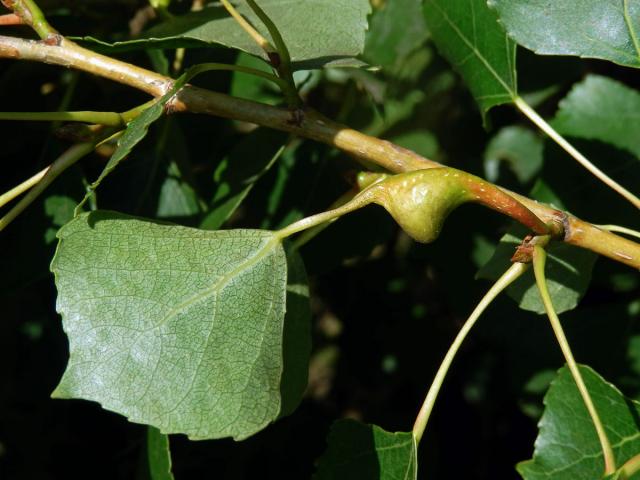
[(384, 309)]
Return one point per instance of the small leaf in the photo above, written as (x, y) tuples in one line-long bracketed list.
[(137, 129), (171, 326), (360, 451), (599, 108), (238, 172), (158, 455), (519, 148), (177, 198), (568, 273), (567, 447), (468, 34), (318, 33), (586, 28)]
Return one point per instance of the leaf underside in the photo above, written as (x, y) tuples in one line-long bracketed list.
[(318, 33), (171, 326)]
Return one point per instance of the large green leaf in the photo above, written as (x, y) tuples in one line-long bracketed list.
[(599, 108), (568, 273), (318, 33), (468, 34), (605, 29), (360, 451), (567, 447), (171, 326)]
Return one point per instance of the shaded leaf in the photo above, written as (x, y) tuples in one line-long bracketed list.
[(138, 128), (177, 198), (253, 87), (395, 32), (421, 141), (171, 326), (599, 108), (519, 148), (239, 170), (586, 28), (468, 34), (318, 33), (158, 455), (567, 446), (296, 341), (359, 451), (568, 273)]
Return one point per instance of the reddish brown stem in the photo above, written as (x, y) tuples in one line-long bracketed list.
[(10, 19), (310, 125)]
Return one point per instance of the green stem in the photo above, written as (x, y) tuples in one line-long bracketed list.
[(23, 187), (32, 16), (111, 119), (513, 273), (281, 46), (619, 229), (539, 261), (363, 199), (314, 126), (310, 234), (68, 158), (630, 468), (571, 150), (283, 63), (262, 42), (251, 71)]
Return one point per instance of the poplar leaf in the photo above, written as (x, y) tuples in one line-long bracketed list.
[(171, 326)]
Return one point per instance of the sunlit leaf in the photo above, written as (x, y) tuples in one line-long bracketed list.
[(567, 447), (605, 29), (468, 34)]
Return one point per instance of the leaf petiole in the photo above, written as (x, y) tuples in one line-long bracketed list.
[(539, 262), (541, 123), (619, 229), (23, 187), (512, 274), (64, 161)]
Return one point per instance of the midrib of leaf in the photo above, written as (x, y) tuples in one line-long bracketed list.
[(473, 48), (630, 27), (222, 282)]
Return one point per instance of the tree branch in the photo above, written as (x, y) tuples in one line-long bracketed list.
[(312, 125)]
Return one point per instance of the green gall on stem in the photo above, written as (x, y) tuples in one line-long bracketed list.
[(420, 201)]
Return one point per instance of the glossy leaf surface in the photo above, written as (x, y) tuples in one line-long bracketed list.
[(567, 447), (606, 29), (468, 34)]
